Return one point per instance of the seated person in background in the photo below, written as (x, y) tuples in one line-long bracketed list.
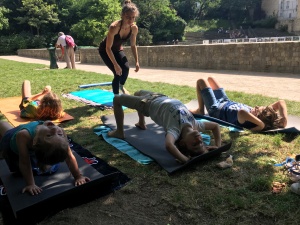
[(41, 143), (213, 97), (43, 106), (183, 139)]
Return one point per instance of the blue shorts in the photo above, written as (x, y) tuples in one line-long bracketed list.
[(214, 100)]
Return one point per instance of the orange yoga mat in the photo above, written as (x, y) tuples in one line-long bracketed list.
[(9, 107)]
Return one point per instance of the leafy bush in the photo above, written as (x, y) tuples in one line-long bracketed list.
[(283, 28), (10, 44), (269, 22), (144, 37)]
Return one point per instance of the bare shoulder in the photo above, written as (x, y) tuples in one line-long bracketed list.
[(115, 26), (24, 136), (134, 28)]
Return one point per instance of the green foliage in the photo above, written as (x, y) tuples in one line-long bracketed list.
[(194, 9), (37, 13), (161, 20), (203, 25), (269, 22), (202, 193), (94, 18), (144, 37), (4, 24), (10, 44), (283, 28)]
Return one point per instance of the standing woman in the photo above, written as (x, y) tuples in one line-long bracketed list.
[(111, 50)]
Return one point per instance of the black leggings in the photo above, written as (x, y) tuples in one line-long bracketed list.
[(123, 62)]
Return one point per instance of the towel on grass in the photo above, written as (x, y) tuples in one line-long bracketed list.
[(122, 145), (9, 107)]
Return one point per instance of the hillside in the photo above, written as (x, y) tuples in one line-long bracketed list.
[(198, 37)]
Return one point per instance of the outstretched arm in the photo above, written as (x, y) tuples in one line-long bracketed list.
[(171, 147), (280, 106), (73, 167), (23, 141)]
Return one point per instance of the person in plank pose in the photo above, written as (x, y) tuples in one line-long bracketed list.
[(38, 144), (213, 97), (183, 139)]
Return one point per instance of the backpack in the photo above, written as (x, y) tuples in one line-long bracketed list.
[(70, 41)]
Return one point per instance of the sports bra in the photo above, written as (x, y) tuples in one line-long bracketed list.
[(117, 43)]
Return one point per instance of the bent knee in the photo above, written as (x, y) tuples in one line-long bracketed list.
[(138, 93), (202, 83), (116, 99)]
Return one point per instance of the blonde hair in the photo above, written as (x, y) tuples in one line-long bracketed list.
[(50, 107), (270, 118), (130, 7)]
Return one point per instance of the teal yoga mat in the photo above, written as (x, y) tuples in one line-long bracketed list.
[(93, 97), (99, 96)]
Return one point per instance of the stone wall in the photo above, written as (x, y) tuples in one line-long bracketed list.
[(43, 53), (260, 57)]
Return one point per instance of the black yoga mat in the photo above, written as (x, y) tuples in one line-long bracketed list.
[(59, 191), (293, 125), (151, 142)]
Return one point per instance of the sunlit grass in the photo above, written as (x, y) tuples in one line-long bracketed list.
[(201, 194)]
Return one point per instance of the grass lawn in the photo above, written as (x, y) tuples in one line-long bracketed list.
[(201, 194)]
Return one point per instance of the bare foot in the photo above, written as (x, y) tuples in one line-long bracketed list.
[(124, 91), (141, 126), (116, 134), (196, 111)]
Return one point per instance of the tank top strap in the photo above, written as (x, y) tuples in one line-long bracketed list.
[(120, 27)]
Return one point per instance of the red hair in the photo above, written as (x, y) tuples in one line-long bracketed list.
[(50, 107)]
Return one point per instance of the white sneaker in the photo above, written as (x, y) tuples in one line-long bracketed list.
[(295, 187)]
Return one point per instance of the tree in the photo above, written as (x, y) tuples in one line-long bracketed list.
[(240, 9), (194, 9), (37, 14), (95, 16), (161, 20), (4, 24)]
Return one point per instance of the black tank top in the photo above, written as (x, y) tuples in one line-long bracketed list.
[(117, 43)]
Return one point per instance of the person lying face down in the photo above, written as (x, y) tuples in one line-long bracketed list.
[(211, 95), (183, 139)]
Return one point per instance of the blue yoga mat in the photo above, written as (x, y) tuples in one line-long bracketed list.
[(99, 96), (94, 97)]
